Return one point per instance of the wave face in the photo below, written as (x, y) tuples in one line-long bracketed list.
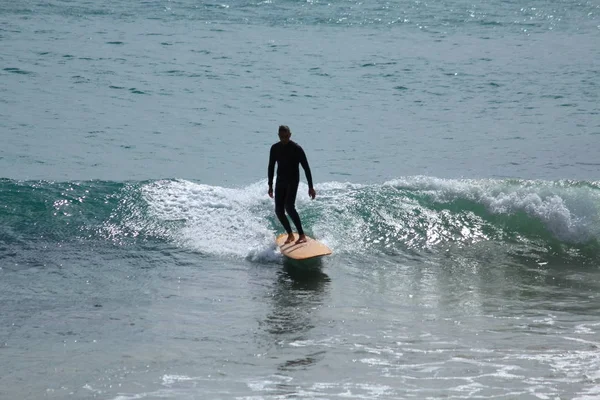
[(403, 216)]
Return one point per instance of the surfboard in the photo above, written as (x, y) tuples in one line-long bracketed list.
[(303, 251)]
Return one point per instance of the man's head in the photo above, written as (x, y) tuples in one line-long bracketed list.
[(284, 134)]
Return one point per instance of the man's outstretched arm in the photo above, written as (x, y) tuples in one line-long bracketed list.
[(306, 167), (271, 170)]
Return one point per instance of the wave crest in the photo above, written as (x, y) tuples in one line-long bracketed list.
[(406, 214)]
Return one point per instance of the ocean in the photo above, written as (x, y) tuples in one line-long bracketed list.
[(454, 147)]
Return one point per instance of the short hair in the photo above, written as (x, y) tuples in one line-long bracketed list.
[(284, 129)]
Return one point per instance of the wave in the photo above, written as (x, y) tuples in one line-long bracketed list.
[(402, 215)]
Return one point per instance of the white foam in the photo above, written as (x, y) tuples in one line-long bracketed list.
[(212, 219), (587, 328), (317, 389), (339, 227), (171, 379), (570, 212), (209, 219), (240, 222), (592, 393)]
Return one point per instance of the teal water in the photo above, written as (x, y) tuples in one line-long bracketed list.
[(454, 148), (192, 90)]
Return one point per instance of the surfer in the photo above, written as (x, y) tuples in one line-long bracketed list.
[(288, 155)]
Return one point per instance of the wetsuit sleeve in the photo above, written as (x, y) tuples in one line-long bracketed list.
[(304, 163), (271, 169)]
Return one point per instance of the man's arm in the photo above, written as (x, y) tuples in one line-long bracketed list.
[(304, 163), (271, 169)]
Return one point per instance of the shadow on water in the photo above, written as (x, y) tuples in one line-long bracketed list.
[(306, 273), (299, 291)]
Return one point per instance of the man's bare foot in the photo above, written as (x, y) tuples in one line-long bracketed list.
[(301, 239), (289, 239)]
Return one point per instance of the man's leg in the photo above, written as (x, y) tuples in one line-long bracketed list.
[(280, 196), (290, 207)]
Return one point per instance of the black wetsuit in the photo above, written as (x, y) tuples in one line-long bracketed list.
[(288, 158)]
